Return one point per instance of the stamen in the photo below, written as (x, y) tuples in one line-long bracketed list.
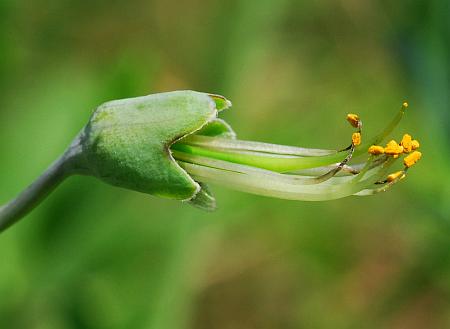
[(396, 176), (271, 185), (253, 171), (415, 144), (406, 143), (353, 119), (376, 150), (372, 191), (389, 182), (356, 139), (318, 171), (341, 165), (412, 158), (392, 148)]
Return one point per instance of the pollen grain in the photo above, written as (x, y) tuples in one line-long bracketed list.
[(412, 158), (353, 119), (406, 143), (396, 176), (356, 139), (415, 144), (376, 150), (392, 148)]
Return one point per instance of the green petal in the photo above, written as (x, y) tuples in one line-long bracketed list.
[(204, 199), (216, 128), (272, 186)]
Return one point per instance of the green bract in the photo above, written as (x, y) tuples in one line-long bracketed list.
[(126, 142)]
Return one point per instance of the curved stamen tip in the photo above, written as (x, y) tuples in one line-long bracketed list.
[(405, 105)]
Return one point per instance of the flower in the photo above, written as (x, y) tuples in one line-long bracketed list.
[(172, 145)]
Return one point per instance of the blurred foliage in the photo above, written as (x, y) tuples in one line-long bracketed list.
[(93, 256)]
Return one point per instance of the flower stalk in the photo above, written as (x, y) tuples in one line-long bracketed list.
[(35, 193)]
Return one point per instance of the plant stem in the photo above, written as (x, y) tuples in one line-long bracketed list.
[(34, 194)]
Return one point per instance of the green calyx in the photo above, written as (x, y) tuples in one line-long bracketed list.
[(126, 142)]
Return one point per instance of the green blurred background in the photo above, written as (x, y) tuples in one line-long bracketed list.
[(94, 256)]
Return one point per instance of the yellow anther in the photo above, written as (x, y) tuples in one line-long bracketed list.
[(412, 158), (396, 176), (392, 148), (405, 104), (406, 143), (353, 119), (415, 144), (356, 139), (376, 150)]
